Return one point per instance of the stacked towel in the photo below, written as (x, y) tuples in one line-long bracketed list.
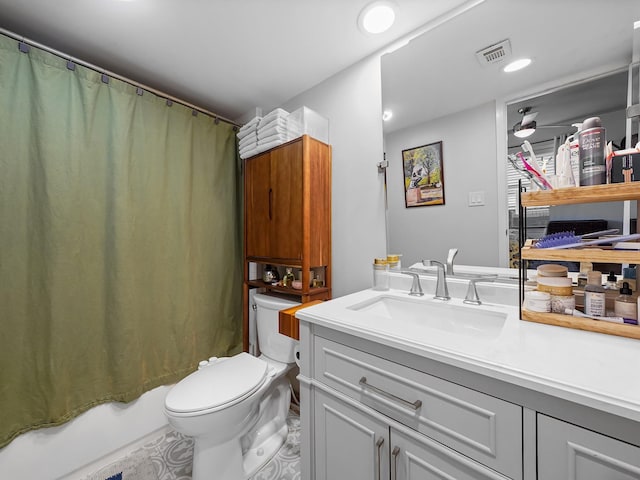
[(262, 133), (272, 130), (248, 138)]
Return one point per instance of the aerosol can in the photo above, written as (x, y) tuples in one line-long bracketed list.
[(592, 146)]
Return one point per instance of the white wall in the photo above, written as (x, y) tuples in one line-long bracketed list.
[(56, 452), (352, 101), (469, 159)]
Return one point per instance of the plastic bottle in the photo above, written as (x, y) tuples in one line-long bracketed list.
[(625, 306), (594, 295)]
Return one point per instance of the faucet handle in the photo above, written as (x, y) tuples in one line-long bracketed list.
[(472, 297), (416, 288), (452, 254)]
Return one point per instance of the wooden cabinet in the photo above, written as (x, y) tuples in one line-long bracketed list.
[(287, 219), (568, 451), (573, 196)]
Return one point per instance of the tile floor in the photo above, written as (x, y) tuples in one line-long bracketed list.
[(171, 456)]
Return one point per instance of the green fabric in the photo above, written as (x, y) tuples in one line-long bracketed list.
[(120, 240)]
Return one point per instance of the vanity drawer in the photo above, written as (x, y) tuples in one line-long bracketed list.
[(480, 426)]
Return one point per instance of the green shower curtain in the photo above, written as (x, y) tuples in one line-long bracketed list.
[(120, 240)]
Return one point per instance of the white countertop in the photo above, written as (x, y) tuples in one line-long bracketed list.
[(597, 370)]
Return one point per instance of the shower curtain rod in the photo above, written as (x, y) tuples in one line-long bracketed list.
[(33, 43)]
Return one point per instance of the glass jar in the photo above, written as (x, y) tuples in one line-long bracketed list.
[(270, 274), (380, 274)]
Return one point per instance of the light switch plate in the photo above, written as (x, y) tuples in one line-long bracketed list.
[(476, 199)]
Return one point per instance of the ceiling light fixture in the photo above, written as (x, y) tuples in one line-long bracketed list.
[(524, 131), (517, 65), (386, 115), (527, 126), (377, 17)]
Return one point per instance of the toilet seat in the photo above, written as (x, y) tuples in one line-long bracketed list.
[(217, 386)]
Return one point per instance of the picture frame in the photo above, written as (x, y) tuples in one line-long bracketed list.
[(423, 175)]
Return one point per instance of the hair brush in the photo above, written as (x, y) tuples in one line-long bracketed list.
[(570, 240)]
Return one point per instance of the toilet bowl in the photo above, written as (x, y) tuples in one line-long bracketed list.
[(236, 407)]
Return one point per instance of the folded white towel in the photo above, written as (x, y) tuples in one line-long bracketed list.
[(253, 138), (267, 132), (281, 122), (248, 148), (250, 124), (246, 133), (278, 112), (282, 137), (249, 153)]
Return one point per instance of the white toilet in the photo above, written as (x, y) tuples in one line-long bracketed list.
[(236, 407)]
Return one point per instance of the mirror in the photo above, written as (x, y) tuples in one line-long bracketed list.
[(439, 90)]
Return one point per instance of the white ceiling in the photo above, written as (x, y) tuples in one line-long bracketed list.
[(231, 56), (227, 56), (438, 74)]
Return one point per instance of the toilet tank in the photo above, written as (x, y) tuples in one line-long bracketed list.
[(272, 343)]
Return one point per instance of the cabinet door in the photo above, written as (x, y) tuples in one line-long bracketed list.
[(257, 205), (418, 457), (566, 451), (348, 443), (286, 179)]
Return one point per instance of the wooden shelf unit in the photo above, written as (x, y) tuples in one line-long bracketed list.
[(287, 219), (574, 196)]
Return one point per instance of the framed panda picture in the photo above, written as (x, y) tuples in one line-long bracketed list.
[(423, 175)]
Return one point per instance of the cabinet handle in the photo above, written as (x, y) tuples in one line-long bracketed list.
[(395, 452), (412, 405), (270, 202), (379, 446)]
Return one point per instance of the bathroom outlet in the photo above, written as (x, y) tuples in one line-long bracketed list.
[(476, 199)]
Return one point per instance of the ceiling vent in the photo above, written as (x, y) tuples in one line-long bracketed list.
[(495, 53)]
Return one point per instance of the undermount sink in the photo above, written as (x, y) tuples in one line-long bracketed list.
[(411, 317)]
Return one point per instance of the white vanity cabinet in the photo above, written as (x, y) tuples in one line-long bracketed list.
[(377, 419), (356, 443), (571, 452)]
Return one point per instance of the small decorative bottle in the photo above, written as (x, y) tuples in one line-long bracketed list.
[(594, 295), (288, 278), (625, 306)]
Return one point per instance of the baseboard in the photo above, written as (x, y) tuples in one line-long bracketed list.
[(118, 454)]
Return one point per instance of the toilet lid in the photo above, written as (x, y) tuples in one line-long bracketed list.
[(224, 382)]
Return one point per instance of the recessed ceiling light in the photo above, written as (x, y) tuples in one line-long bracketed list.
[(377, 17), (386, 115), (517, 65)]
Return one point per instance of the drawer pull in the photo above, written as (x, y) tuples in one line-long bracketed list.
[(379, 446), (394, 454), (413, 405)]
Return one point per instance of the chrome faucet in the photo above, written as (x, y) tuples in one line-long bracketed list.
[(472, 297), (416, 288), (442, 291), (452, 254)]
